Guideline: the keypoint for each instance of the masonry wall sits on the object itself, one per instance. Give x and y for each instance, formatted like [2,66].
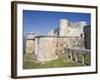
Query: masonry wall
[50,47]
[67,28]
[46,48]
[63,25]
[30,46]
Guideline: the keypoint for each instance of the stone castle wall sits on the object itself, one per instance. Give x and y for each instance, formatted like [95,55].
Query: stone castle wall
[67,35]
[67,28]
[30,46]
[50,47]
[45,49]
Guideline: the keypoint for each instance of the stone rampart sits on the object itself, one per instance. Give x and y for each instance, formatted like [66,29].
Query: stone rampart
[50,47]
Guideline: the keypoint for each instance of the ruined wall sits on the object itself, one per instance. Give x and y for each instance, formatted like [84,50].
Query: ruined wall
[50,47]
[45,49]
[69,42]
[30,46]
[68,28]
[30,43]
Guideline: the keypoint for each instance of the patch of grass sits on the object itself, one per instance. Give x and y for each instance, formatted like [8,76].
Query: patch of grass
[88,59]
[61,62]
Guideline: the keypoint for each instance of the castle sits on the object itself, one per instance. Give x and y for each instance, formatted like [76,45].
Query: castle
[66,35]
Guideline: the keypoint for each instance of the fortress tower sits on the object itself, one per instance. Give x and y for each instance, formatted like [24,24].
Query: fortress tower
[30,43]
[63,26]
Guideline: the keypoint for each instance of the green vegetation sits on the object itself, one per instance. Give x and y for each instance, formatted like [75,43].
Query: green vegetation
[29,63]
[87,59]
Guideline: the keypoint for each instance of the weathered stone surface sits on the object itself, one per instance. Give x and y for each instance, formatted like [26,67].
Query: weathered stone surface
[46,48]
[30,43]
[67,28]
[49,48]
[30,46]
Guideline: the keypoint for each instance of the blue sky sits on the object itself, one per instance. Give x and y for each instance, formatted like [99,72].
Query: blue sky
[44,21]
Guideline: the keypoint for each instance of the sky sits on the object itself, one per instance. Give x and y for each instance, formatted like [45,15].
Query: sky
[44,21]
